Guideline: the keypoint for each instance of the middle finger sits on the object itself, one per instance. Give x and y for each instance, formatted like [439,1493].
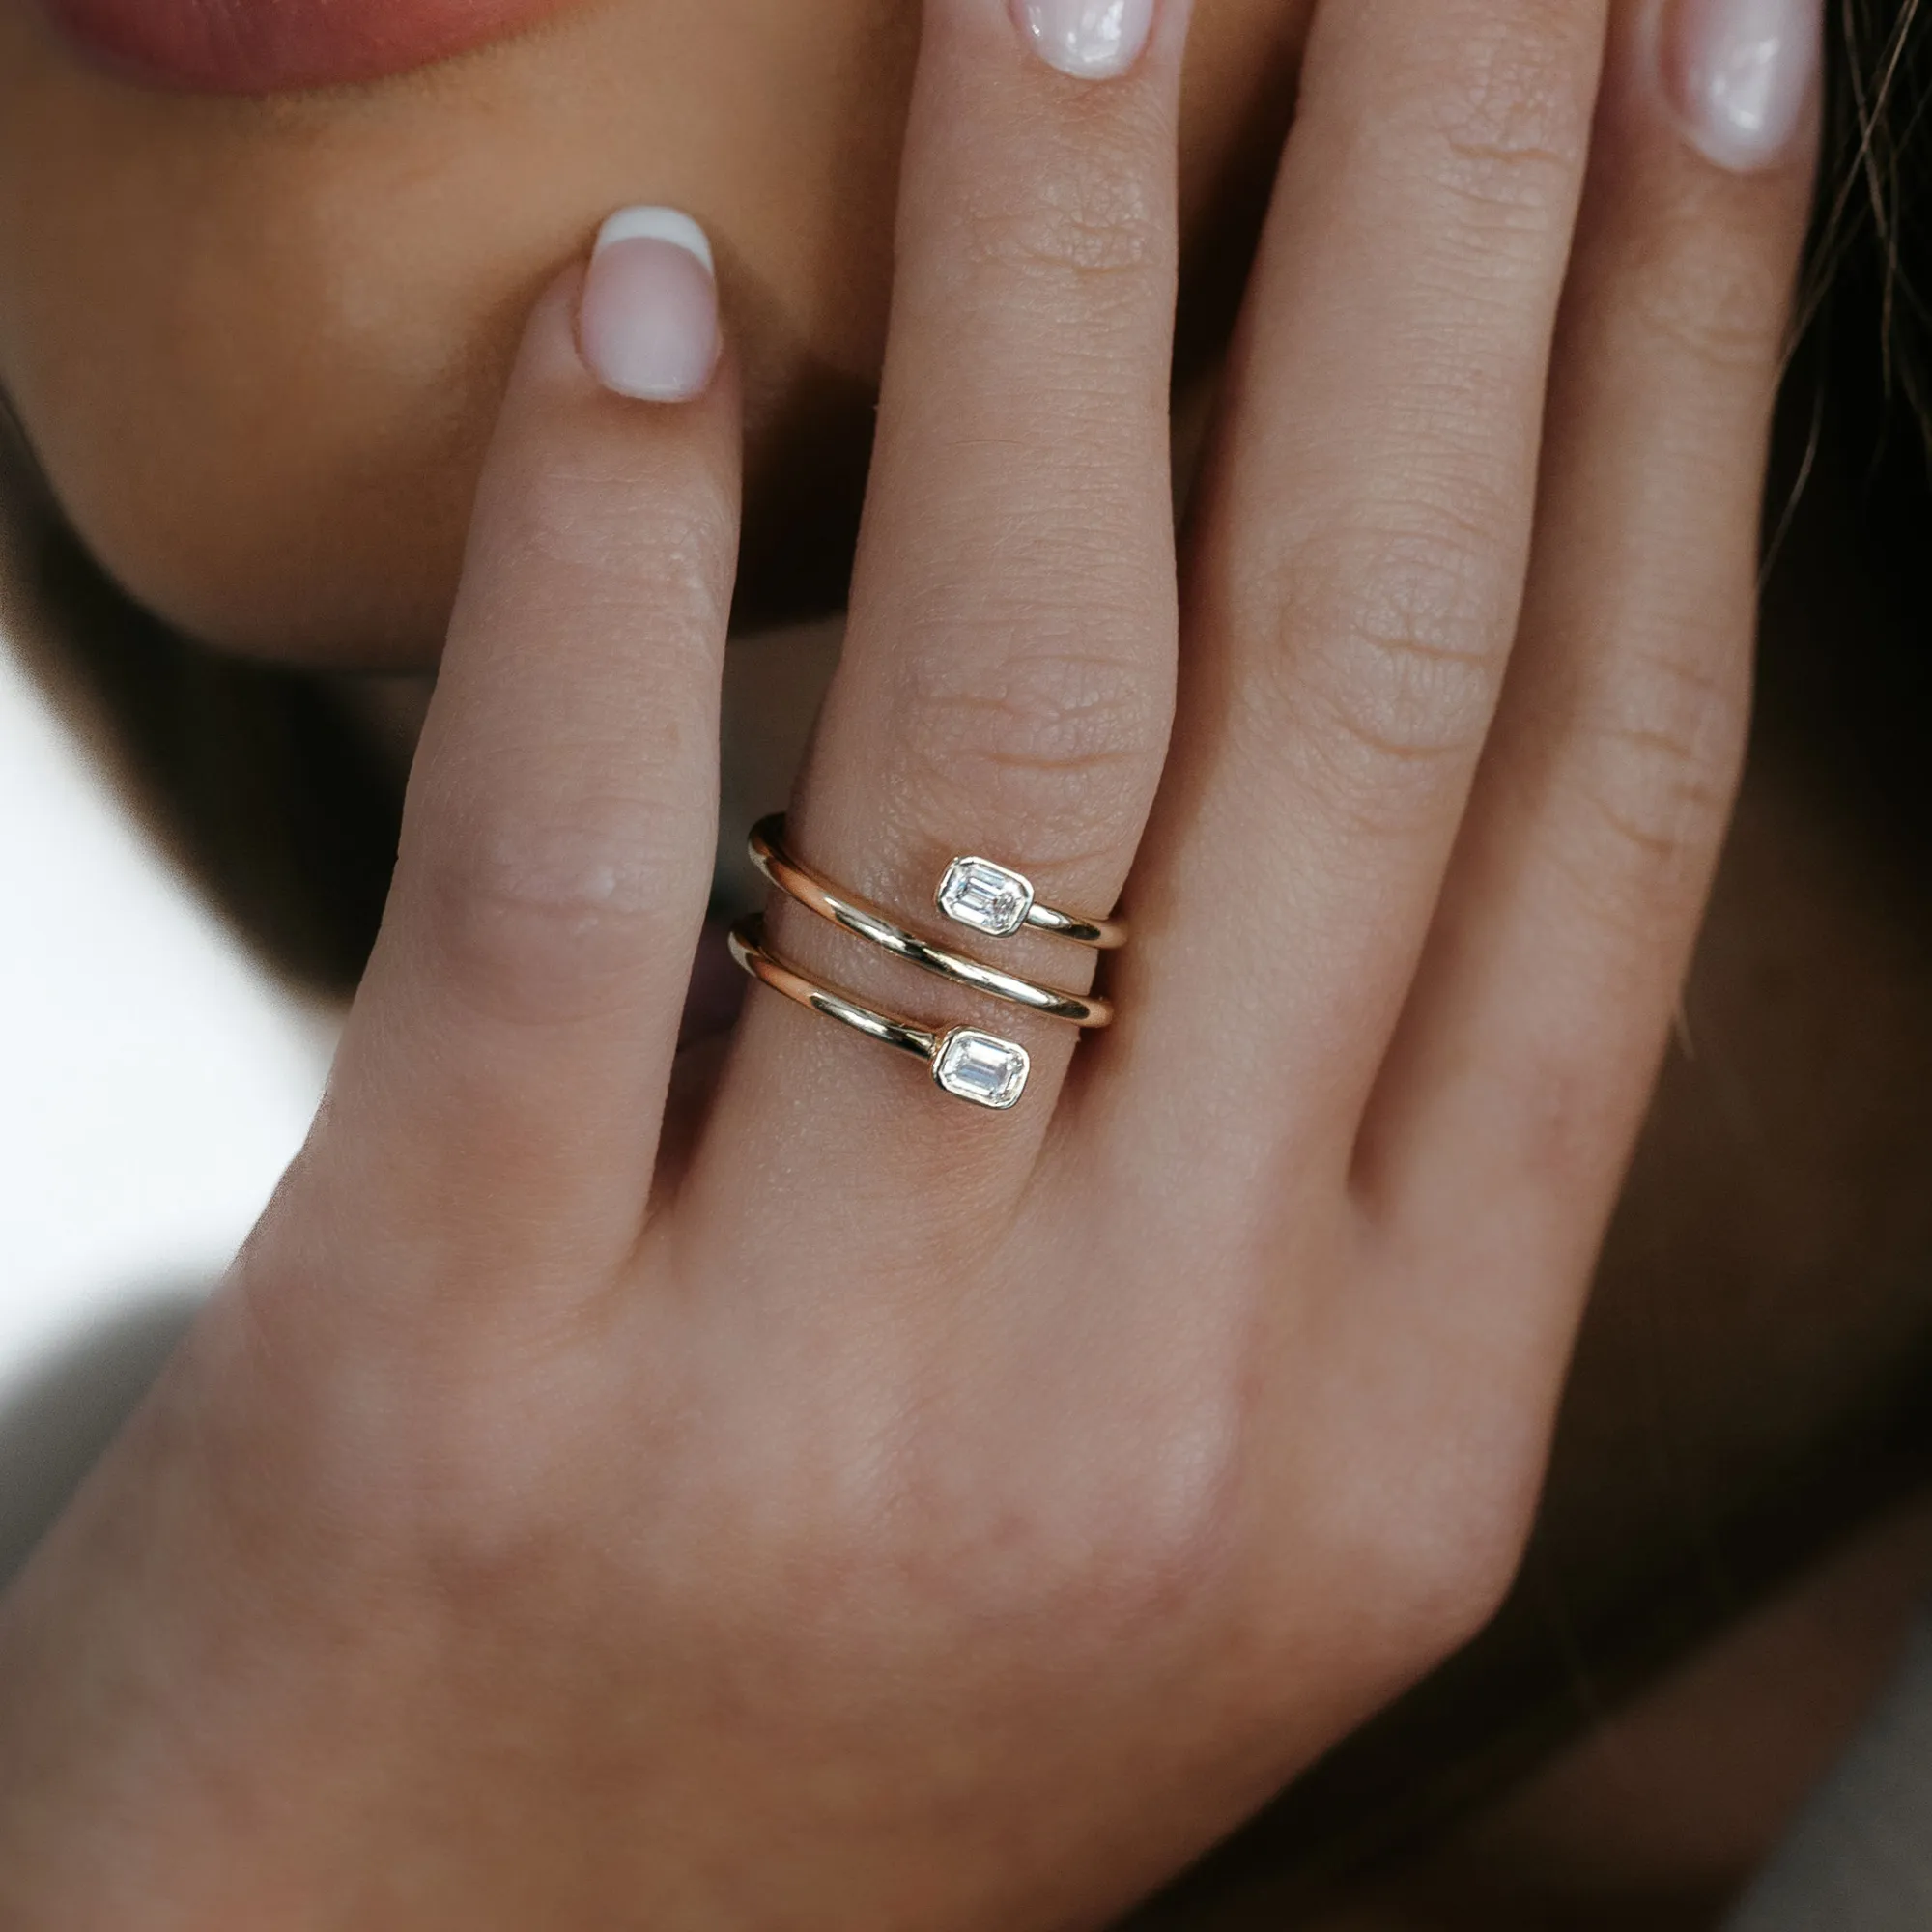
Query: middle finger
[1007,682]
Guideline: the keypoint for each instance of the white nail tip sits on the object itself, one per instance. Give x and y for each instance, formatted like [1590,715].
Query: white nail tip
[1092,40]
[657,224]
[1745,72]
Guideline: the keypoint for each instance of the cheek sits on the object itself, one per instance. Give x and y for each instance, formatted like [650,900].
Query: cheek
[271,444]
[258,345]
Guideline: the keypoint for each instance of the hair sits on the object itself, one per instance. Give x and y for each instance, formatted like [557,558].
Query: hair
[1875,231]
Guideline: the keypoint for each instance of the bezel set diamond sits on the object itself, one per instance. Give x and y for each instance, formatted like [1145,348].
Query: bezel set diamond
[982,1068]
[991,898]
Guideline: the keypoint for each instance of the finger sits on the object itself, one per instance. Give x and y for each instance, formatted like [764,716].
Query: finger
[1356,567]
[1006,685]
[504,1069]
[1527,1057]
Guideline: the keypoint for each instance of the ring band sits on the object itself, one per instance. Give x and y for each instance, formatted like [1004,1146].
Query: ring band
[819,894]
[971,1065]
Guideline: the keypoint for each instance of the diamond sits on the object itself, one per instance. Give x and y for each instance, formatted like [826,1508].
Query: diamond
[979,1068]
[990,898]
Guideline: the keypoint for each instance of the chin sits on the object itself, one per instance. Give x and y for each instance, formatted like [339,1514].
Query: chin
[352,565]
[323,598]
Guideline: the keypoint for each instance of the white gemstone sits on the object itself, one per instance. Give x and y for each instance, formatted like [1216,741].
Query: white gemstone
[977,892]
[977,1067]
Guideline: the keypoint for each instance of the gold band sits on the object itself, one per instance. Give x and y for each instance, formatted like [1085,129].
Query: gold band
[819,894]
[971,1065]
[1106,935]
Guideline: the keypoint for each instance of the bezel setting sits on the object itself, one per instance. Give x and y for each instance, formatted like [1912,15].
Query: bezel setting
[982,1068]
[989,897]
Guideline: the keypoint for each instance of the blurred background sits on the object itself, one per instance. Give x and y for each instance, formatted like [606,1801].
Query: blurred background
[154,1082]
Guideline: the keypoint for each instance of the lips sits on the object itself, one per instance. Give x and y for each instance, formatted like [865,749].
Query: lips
[266,46]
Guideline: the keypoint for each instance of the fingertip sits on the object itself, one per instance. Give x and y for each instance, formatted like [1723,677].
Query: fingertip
[556,397]
[647,321]
[646,223]
[1086,41]
[1741,78]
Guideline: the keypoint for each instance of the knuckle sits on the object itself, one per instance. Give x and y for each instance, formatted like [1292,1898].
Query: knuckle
[1439,1559]
[1086,226]
[1054,747]
[1104,1543]
[1107,1563]
[1660,786]
[1098,1519]
[541,920]
[1724,315]
[1455,1574]
[1513,119]
[1389,648]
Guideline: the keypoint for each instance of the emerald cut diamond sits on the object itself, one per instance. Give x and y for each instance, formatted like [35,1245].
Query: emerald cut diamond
[979,1068]
[988,897]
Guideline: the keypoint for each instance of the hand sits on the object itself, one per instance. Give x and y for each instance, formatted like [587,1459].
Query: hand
[894,1514]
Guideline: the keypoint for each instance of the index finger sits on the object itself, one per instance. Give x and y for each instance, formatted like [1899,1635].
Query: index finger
[504,1071]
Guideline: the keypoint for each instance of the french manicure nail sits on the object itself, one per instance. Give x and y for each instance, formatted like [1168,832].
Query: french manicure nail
[1742,72]
[648,322]
[1093,40]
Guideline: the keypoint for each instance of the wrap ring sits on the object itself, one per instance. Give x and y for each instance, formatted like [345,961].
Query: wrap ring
[817,894]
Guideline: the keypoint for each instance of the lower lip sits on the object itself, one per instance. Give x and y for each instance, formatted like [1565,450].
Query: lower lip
[268,46]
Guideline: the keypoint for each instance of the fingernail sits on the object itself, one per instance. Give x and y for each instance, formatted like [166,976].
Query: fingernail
[1093,39]
[1742,72]
[648,322]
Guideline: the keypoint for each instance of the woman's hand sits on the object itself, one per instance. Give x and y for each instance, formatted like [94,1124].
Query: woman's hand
[883,1513]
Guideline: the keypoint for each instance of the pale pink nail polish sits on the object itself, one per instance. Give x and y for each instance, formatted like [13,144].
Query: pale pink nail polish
[648,323]
[1093,40]
[1741,73]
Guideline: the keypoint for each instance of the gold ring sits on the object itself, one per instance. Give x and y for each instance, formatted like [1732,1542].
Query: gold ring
[819,894]
[969,1064]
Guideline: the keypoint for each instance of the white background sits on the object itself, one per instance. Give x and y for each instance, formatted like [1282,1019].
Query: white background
[154,1082]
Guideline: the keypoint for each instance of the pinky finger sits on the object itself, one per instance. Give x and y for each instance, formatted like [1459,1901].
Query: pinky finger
[1527,1056]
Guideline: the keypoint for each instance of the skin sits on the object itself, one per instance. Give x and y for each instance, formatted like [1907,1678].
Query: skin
[1404,1174]
[378,248]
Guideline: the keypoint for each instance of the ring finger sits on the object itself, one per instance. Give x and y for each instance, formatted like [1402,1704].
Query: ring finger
[1357,566]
